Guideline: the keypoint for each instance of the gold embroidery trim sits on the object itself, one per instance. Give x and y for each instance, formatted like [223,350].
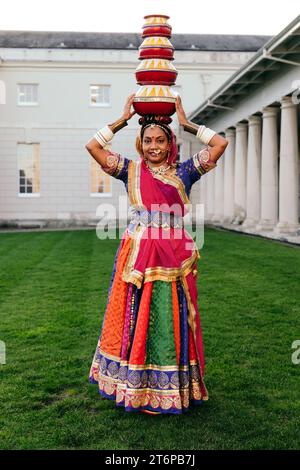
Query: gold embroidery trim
[175,181]
[156,398]
[159,273]
[131,171]
[192,322]
[203,167]
[128,271]
[134,175]
[145,366]
[119,166]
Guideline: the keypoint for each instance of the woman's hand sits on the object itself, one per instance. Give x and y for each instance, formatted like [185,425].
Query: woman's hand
[182,119]
[128,113]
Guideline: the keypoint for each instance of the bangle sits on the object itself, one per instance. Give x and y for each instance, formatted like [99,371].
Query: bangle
[116,126]
[191,127]
[203,133]
[103,136]
[203,162]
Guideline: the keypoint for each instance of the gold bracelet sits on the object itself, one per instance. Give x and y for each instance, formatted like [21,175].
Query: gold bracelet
[119,124]
[191,127]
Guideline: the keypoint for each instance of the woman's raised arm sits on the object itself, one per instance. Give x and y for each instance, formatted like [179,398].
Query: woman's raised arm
[105,158]
[216,142]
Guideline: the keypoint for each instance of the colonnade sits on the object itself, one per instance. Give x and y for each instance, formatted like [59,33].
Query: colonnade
[256,182]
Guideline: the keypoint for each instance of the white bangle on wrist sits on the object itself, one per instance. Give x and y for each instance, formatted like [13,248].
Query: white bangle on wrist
[205,134]
[100,140]
[103,136]
[107,133]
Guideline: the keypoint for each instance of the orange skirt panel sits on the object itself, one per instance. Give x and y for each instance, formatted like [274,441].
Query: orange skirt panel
[111,340]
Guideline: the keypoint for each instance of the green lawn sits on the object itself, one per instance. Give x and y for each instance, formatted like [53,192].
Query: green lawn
[52,299]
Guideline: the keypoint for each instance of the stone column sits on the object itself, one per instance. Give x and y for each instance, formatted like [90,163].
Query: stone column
[240,173]
[288,169]
[219,191]
[210,195]
[253,172]
[269,170]
[229,176]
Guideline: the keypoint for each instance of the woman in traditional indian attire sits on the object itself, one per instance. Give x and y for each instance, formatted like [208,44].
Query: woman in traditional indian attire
[149,355]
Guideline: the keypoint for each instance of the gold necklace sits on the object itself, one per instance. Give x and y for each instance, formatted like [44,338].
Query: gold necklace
[159,171]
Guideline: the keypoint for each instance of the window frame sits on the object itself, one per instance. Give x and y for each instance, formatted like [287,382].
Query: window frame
[27,194]
[102,104]
[27,103]
[94,164]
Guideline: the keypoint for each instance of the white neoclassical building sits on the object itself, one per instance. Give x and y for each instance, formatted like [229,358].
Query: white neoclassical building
[57,89]
[255,187]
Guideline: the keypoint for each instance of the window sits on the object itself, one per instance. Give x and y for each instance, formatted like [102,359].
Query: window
[100,95]
[100,181]
[29,169]
[27,94]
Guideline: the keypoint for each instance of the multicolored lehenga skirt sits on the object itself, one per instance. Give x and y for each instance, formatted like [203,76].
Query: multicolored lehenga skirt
[146,357]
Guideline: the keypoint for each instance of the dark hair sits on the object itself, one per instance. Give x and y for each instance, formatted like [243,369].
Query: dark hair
[162,121]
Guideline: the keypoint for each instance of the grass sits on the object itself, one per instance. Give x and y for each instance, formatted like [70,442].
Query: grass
[52,299]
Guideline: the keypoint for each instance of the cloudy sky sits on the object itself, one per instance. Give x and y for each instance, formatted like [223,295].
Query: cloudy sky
[190,16]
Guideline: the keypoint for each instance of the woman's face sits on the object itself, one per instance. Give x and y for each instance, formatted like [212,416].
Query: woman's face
[155,145]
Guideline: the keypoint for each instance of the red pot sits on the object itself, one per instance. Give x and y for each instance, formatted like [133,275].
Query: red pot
[157,30]
[159,108]
[156,77]
[156,53]
[154,99]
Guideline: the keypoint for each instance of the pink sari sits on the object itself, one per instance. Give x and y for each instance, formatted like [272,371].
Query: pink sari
[154,258]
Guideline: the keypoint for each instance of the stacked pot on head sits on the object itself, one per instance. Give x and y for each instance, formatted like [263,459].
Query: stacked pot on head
[156,73]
